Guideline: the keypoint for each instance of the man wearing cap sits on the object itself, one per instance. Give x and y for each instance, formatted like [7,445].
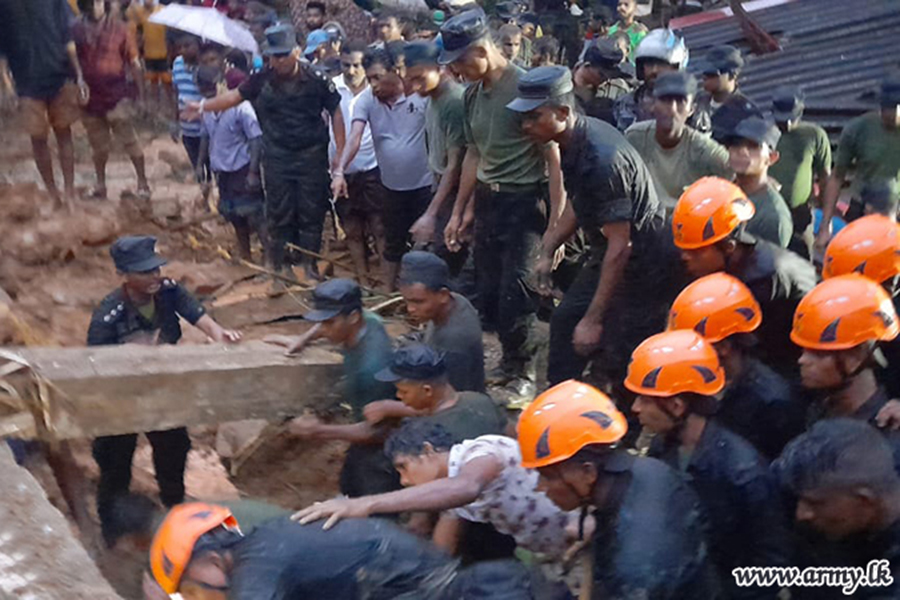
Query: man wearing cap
[804,158]
[601,79]
[621,295]
[289,97]
[751,150]
[870,144]
[676,154]
[314,41]
[506,172]
[722,106]
[451,322]
[145,310]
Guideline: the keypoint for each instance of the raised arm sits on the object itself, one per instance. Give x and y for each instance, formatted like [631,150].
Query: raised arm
[351,147]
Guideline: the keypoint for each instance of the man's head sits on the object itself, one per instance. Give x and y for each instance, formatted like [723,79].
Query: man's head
[138,263]
[423,73]
[674,374]
[212,55]
[94,9]
[626,10]
[842,474]
[838,325]
[282,49]
[881,197]
[389,28]
[528,23]
[419,450]
[467,45]
[260,22]
[510,40]
[352,55]
[721,67]
[602,61]
[708,224]
[546,101]
[890,102]
[424,283]
[191,552]
[661,51]
[568,434]
[545,52]
[382,73]
[336,38]
[337,306]
[315,15]
[600,20]
[188,46]
[673,101]
[208,78]
[420,375]
[316,45]
[787,108]
[752,147]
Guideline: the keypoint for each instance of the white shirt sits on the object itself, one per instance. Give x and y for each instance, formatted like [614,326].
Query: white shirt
[365,158]
[511,502]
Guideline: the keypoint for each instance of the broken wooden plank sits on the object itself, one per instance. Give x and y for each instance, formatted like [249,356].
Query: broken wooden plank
[109,390]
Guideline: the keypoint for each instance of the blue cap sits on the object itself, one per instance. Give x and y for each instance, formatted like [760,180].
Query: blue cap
[280,39]
[756,129]
[421,53]
[136,254]
[539,85]
[426,268]
[722,59]
[334,297]
[459,32]
[676,83]
[417,362]
[315,39]
[787,104]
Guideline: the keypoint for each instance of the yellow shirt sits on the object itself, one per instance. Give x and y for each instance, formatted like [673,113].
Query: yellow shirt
[153,36]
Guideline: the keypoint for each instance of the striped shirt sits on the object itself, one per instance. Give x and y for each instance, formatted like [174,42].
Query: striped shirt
[183,80]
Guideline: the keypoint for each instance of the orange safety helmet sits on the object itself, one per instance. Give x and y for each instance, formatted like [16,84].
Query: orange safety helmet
[869,245]
[565,419]
[716,306]
[843,312]
[175,539]
[708,211]
[675,362]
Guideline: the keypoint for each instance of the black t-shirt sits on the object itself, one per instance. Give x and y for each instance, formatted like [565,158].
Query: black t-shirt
[473,415]
[460,341]
[290,110]
[38,32]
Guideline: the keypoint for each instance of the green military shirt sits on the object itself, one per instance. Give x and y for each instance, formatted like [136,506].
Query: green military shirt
[444,127]
[371,354]
[507,155]
[772,220]
[873,150]
[804,151]
[673,169]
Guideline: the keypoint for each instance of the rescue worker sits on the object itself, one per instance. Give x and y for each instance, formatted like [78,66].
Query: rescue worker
[601,78]
[609,308]
[757,403]
[289,97]
[722,106]
[661,51]
[508,175]
[200,553]
[649,542]
[840,325]
[870,246]
[677,378]
[847,493]
[708,224]
[869,145]
[145,310]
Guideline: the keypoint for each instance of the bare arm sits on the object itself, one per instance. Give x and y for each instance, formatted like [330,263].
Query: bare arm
[555,181]
[462,215]
[829,204]
[618,251]
[351,146]
[447,533]
[424,228]
[72,52]
[338,128]
[823,177]
[219,103]
[310,427]
[216,332]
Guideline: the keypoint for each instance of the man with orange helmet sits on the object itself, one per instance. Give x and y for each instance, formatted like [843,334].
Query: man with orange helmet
[757,403]
[677,378]
[200,553]
[649,542]
[709,227]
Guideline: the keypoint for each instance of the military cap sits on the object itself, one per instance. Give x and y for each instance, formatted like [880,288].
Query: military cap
[136,254]
[756,129]
[890,90]
[426,268]
[722,59]
[458,33]
[604,54]
[334,297]
[787,104]
[280,39]
[539,85]
[675,83]
[421,53]
[417,362]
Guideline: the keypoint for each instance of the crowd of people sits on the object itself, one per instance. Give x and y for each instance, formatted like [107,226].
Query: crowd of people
[722,346]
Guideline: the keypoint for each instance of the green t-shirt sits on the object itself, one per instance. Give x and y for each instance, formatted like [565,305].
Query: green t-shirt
[250,514]
[444,127]
[371,354]
[873,150]
[673,169]
[507,155]
[636,32]
[473,415]
[804,151]
[772,221]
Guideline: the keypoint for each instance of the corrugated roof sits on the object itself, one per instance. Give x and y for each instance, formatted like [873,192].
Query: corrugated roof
[837,51]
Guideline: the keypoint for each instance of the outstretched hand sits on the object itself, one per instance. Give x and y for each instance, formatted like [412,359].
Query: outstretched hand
[333,510]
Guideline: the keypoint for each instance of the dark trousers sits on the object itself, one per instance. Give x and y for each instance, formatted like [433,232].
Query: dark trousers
[114,453]
[192,146]
[399,212]
[508,229]
[297,193]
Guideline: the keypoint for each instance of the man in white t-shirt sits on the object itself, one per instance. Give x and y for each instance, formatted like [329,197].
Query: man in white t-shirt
[360,209]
